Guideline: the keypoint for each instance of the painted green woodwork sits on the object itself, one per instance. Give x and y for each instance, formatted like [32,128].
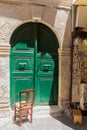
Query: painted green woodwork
[34,63]
[22,70]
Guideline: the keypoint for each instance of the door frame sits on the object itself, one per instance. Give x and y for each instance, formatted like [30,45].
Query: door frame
[14,32]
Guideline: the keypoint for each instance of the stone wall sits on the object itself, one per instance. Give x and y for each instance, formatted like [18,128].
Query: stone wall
[4,80]
[57,18]
[64,77]
[4,76]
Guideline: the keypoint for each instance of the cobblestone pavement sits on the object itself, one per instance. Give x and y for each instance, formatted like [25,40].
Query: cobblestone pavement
[61,122]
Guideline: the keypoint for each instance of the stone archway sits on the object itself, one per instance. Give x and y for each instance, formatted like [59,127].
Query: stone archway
[38,44]
[11,17]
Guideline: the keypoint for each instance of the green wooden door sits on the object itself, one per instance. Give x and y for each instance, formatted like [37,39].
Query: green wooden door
[46,66]
[22,69]
[34,63]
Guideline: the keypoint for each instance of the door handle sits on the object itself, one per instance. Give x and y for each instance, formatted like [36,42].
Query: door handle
[22,66]
[46,67]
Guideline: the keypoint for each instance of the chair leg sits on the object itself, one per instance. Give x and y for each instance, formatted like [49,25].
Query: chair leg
[27,113]
[31,116]
[14,113]
[20,118]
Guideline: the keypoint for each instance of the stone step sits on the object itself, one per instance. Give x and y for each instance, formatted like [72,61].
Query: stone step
[45,111]
[38,111]
[5,115]
[5,112]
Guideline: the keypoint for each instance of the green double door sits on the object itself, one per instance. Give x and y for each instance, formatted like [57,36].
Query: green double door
[34,63]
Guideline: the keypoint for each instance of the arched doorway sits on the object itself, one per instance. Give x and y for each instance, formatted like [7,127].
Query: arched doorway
[34,63]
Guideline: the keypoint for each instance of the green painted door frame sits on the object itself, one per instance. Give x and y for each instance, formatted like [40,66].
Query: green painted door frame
[34,63]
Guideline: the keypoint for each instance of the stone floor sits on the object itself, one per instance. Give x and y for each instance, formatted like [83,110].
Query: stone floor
[61,121]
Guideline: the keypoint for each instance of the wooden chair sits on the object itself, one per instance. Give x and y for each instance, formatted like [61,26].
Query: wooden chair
[24,107]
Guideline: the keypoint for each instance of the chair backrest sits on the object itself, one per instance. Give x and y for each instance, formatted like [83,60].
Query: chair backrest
[26,97]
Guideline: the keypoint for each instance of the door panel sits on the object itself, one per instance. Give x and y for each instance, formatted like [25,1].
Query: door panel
[45,88]
[21,84]
[22,69]
[46,66]
[45,79]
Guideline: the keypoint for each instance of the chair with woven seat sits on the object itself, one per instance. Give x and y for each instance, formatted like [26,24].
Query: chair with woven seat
[24,107]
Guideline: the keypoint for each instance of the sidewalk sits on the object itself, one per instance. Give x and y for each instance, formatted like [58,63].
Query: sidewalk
[61,122]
